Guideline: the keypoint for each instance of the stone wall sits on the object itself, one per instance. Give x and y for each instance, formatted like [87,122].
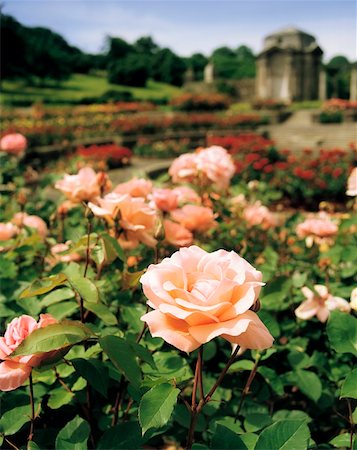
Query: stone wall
[241,90]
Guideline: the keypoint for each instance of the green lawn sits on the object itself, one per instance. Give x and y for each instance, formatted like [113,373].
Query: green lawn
[78,87]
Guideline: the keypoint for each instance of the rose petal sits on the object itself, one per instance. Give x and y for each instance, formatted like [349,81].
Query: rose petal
[13,375]
[307,309]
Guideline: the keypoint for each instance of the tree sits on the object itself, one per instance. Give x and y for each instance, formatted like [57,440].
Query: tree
[168,67]
[146,45]
[130,71]
[197,62]
[338,75]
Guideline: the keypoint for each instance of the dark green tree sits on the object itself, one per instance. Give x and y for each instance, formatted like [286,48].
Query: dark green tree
[168,67]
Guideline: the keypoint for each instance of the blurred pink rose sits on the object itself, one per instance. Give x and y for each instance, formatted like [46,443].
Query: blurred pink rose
[217,165]
[177,235]
[194,218]
[317,227]
[186,195]
[23,219]
[197,296]
[165,199]
[81,187]
[137,222]
[320,303]
[15,144]
[257,214]
[15,371]
[136,187]
[353,300]
[7,231]
[58,250]
[352,183]
[184,168]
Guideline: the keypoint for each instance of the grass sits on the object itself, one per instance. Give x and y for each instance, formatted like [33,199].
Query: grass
[78,87]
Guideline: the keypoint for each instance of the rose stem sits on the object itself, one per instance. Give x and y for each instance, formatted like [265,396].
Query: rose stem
[88,248]
[247,385]
[352,426]
[32,404]
[118,400]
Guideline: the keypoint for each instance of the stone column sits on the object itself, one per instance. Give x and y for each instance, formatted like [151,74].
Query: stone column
[208,73]
[285,93]
[353,84]
[322,85]
[261,78]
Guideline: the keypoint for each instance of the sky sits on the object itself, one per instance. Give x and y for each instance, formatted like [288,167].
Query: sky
[189,26]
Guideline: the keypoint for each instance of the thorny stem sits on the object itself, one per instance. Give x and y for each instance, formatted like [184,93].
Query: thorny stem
[32,404]
[11,444]
[118,400]
[247,385]
[196,409]
[352,426]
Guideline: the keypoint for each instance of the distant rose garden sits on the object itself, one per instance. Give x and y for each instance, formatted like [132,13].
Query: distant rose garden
[211,306]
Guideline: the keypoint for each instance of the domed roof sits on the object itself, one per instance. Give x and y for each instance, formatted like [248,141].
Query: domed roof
[290,38]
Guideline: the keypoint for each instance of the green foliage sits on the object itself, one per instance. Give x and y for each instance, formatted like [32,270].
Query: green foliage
[74,435]
[284,435]
[342,333]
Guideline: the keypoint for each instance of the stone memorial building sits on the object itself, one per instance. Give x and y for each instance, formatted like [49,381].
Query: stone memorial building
[290,67]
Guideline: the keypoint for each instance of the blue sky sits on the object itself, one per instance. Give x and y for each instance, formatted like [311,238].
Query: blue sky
[189,26]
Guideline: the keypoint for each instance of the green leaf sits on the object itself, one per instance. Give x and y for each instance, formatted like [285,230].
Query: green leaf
[143,353]
[94,372]
[102,311]
[274,295]
[53,337]
[156,406]
[349,386]
[59,397]
[43,286]
[111,249]
[12,421]
[342,440]
[284,435]
[74,435]
[126,435]
[342,332]
[121,355]
[224,438]
[309,384]
[272,379]
[57,296]
[257,421]
[85,288]
[31,445]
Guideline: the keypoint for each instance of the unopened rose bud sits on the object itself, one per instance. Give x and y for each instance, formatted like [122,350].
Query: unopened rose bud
[22,197]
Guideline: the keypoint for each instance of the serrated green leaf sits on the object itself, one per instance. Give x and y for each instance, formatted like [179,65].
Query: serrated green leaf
[309,384]
[121,355]
[94,372]
[342,332]
[102,311]
[57,296]
[156,406]
[43,286]
[85,288]
[111,249]
[59,397]
[225,438]
[13,420]
[349,386]
[284,435]
[53,337]
[74,435]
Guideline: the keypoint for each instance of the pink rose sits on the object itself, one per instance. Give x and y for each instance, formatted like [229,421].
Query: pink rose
[184,168]
[7,231]
[14,144]
[137,187]
[197,296]
[165,199]
[23,219]
[58,250]
[217,165]
[352,183]
[187,195]
[15,371]
[320,303]
[353,300]
[177,235]
[317,227]
[257,214]
[81,187]
[137,222]
[194,218]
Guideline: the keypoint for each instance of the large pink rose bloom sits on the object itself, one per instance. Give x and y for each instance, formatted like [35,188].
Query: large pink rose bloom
[23,219]
[137,222]
[15,371]
[194,218]
[136,187]
[165,199]
[184,168]
[186,195]
[177,235]
[352,183]
[217,165]
[14,144]
[320,303]
[84,186]
[321,226]
[7,231]
[197,296]
[257,214]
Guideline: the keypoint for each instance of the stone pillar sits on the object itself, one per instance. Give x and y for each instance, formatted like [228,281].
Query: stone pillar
[261,78]
[353,84]
[208,73]
[322,85]
[285,92]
